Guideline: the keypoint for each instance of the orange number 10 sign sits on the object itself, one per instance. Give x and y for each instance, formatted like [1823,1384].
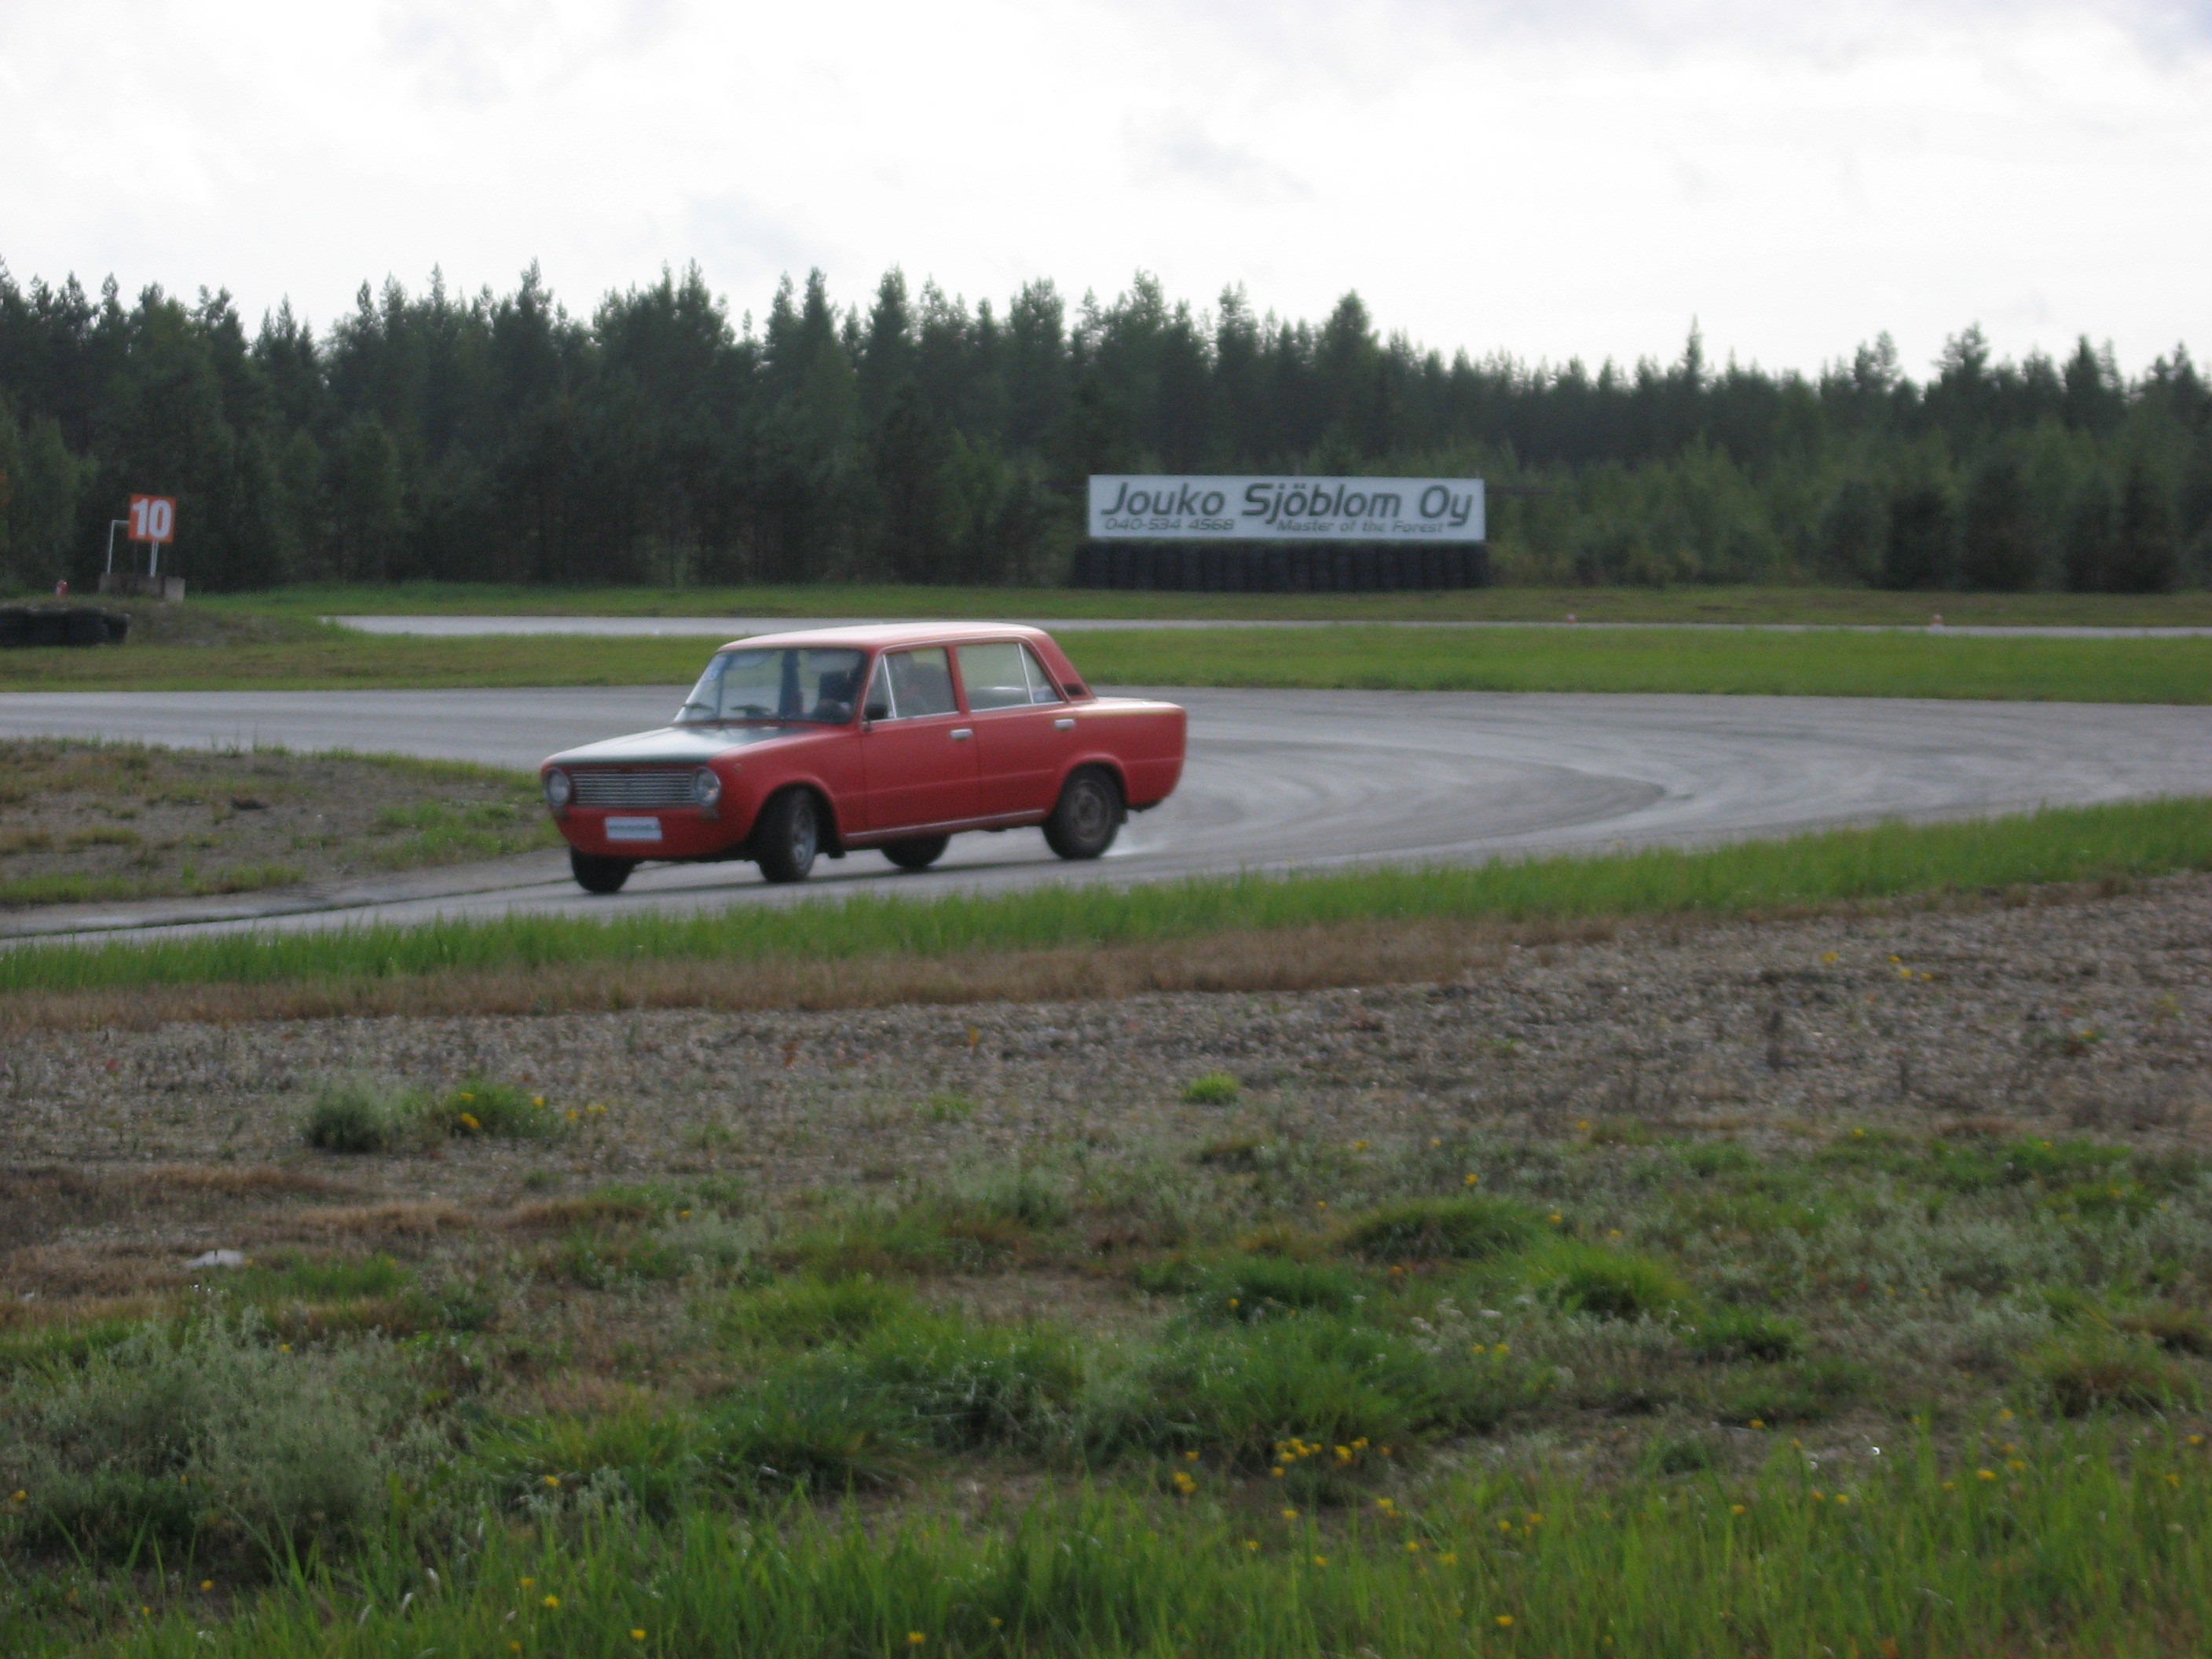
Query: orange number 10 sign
[153,518]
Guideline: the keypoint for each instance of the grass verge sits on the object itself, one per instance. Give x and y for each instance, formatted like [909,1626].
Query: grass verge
[1678,604]
[83,821]
[2126,842]
[1826,663]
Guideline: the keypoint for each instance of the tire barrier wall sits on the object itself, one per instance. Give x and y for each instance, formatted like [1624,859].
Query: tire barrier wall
[1339,568]
[77,626]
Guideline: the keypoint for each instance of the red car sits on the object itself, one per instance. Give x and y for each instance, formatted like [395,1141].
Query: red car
[894,737]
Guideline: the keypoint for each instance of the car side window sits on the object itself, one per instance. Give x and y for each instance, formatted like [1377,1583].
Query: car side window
[921,682]
[993,675]
[1042,690]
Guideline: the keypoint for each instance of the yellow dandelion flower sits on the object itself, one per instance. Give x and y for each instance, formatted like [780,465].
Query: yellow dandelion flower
[539,1100]
[637,1636]
[2196,1439]
[550,1601]
[2005,1416]
[1984,1475]
[1554,1218]
[1251,1543]
[1473,1180]
[528,1582]
[1758,1423]
[1321,1560]
[19,1497]
[552,1479]
[1412,1547]
[469,1122]
[915,1639]
[1505,1621]
[1735,1509]
[1289,1514]
[207,1584]
[1320,1204]
[1449,1559]
[1843,1497]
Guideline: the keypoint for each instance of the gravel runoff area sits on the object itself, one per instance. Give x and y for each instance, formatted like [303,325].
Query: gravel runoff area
[2087,1016]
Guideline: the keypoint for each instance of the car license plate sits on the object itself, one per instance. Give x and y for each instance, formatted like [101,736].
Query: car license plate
[633,829]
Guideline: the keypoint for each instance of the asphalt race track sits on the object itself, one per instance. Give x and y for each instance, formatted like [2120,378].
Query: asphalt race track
[1276,780]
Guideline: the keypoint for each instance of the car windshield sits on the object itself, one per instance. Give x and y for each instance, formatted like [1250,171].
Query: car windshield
[775,685]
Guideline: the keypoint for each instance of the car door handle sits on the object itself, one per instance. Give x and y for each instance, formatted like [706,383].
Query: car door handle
[962,733]
[1063,724]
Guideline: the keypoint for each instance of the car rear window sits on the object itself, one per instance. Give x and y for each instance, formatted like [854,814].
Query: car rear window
[995,676]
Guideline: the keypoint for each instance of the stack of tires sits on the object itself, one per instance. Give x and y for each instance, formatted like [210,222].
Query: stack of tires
[25,626]
[1278,568]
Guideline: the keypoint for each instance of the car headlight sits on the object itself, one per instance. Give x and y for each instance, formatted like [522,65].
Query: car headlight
[558,790]
[706,787]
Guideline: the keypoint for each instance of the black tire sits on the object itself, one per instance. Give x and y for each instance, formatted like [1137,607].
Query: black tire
[595,874]
[918,853]
[1088,817]
[788,836]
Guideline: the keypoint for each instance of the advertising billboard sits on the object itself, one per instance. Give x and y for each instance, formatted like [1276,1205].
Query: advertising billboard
[1169,508]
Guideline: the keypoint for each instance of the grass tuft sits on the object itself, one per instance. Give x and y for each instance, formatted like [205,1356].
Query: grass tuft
[1441,1229]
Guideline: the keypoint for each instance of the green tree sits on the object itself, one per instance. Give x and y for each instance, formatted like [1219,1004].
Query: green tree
[1999,549]
[1922,550]
[2146,553]
[2087,558]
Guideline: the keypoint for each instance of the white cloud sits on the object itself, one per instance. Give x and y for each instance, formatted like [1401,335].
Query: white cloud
[1576,179]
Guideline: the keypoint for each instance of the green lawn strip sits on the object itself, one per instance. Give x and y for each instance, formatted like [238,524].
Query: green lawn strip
[1828,664]
[2068,844]
[1822,664]
[2079,1552]
[1677,604]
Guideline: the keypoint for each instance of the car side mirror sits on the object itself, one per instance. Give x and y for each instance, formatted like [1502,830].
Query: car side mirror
[877,711]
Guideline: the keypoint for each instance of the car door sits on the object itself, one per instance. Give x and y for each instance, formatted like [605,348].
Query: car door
[1022,726]
[918,749]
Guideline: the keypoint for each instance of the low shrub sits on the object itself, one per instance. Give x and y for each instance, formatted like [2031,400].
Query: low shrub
[357,1118]
[1466,1229]
[1804,1391]
[1244,1395]
[211,1437]
[791,1433]
[1213,1089]
[652,1459]
[1242,1289]
[2175,1328]
[1609,1283]
[2094,1368]
[958,1384]
[809,1312]
[1746,1334]
[499,1110]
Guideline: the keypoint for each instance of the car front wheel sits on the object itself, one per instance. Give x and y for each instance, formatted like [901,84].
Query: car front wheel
[789,836]
[595,874]
[1088,818]
[918,853]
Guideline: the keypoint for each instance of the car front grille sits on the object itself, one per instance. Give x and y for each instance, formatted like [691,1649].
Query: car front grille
[660,785]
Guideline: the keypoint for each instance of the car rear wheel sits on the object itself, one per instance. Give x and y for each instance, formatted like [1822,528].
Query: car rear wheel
[918,853]
[596,874]
[1088,818]
[789,836]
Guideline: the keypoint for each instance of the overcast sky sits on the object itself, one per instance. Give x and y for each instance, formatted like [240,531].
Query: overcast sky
[1549,178]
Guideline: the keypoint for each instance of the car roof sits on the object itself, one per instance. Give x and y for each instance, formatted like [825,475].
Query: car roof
[880,635]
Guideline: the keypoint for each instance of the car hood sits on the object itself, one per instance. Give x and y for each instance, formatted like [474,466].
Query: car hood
[676,745]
